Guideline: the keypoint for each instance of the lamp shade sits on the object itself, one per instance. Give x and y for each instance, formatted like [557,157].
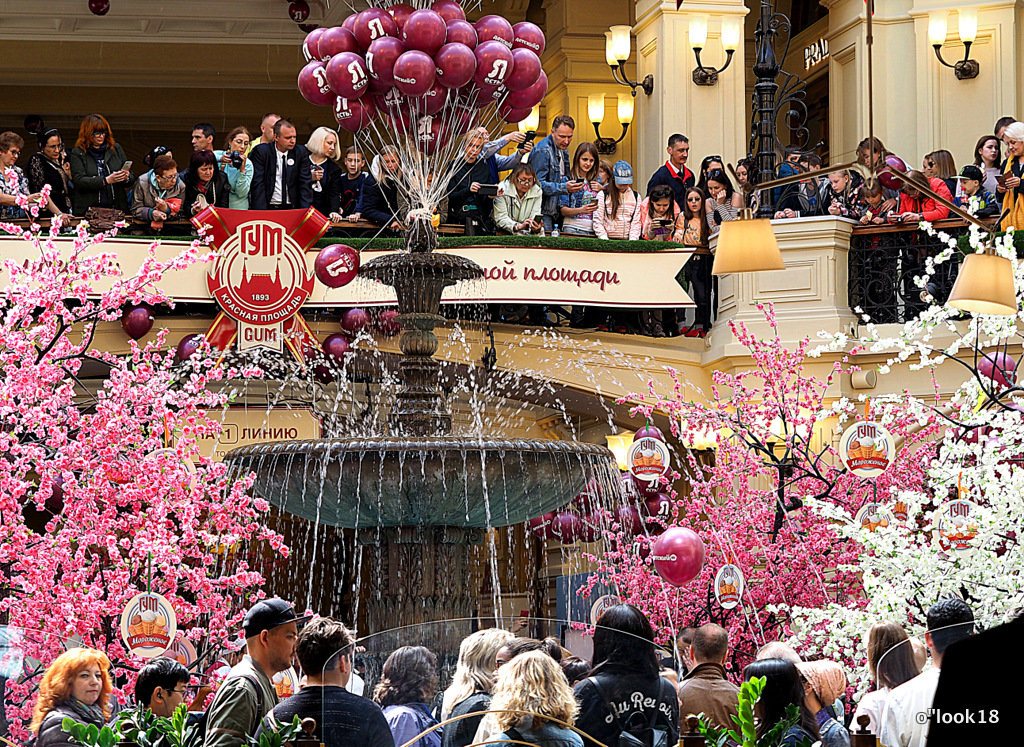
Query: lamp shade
[985,286]
[730,33]
[609,50]
[698,30]
[625,109]
[747,246]
[595,107]
[532,121]
[937,27]
[967,27]
[621,42]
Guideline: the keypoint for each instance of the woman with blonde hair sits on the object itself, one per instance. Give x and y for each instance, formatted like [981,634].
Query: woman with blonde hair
[77,686]
[535,683]
[890,663]
[1011,190]
[472,683]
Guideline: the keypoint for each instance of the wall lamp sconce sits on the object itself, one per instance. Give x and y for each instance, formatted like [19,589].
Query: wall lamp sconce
[595,109]
[617,45]
[967,30]
[532,121]
[708,76]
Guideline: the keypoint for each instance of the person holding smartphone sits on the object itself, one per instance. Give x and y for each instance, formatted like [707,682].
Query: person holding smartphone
[325,172]
[578,208]
[98,168]
[1013,171]
[466,203]
[518,204]
[50,166]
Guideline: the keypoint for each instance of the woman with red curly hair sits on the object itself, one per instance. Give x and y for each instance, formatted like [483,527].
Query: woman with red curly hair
[77,686]
[97,168]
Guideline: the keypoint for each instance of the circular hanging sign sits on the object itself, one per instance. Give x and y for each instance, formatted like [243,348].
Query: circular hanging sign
[874,516]
[182,651]
[148,625]
[648,458]
[956,525]
[867,449]
[729,586]
[601,604]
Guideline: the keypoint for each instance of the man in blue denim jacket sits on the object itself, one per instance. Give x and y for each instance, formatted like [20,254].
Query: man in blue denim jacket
[550,159]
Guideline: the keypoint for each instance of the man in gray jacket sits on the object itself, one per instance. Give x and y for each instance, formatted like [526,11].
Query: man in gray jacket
[247,694]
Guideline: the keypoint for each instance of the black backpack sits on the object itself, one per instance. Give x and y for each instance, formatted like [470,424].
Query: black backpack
[637,731]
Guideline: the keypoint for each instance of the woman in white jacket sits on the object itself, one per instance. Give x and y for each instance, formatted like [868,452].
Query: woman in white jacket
[519,201]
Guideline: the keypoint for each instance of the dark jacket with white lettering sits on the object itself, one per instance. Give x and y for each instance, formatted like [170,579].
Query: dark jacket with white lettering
[634,696]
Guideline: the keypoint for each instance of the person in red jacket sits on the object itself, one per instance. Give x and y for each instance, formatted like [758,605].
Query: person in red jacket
[916,206]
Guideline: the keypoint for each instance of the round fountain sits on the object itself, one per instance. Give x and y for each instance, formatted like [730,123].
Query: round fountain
[420,497]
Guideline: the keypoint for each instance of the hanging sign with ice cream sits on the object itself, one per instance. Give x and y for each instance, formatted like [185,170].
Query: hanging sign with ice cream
[956,525]
[729,586]
[148,625]
[873,516]
[867,449]
[648,458]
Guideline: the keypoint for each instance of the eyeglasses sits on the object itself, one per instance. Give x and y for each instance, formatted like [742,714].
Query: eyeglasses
[166,177]
[524,182]
[15,151]
[58,146]
[931,164]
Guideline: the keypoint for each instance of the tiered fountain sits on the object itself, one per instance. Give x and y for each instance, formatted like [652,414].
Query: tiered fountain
[421,497]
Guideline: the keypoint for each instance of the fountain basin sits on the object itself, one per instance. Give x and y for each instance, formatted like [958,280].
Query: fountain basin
[421,481]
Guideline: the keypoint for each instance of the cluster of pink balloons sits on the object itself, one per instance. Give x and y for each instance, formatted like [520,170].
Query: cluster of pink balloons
[407,65]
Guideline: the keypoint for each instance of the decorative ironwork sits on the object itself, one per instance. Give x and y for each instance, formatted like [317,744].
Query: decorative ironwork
[883,265]
[771,98]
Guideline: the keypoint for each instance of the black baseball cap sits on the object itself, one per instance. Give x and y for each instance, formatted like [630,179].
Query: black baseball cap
[972,172]
[269,614]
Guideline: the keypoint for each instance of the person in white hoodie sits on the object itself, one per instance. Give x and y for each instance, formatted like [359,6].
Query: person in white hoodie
[519,202]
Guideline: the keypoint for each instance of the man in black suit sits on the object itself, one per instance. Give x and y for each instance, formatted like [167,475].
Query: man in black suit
[280,172]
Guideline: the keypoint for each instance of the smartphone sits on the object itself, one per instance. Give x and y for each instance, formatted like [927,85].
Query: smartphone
[1001,179]
[538,219]
[127,166]
[488,190]
[664,221]
[530,137]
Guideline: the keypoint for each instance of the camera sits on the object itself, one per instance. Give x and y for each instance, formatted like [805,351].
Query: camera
[236,159]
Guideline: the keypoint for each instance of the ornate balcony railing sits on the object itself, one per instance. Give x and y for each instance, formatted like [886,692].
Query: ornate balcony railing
[884,262]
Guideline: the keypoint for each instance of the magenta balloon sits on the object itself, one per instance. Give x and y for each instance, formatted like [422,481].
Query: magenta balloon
[528,35]
[462,32]
[631,489]
[660,505]
[530,97]
[629,519]
[429,135]
[387,323]
[353,320]
[414,71]
[678,555]
[510,115]
[433,100]
[590,527]
[336,265]
[373,23]
[137,321]
[482,96]
[495,28]
[449,10]
[425,30]
[401,12]
[350,23]
[1000,367]
[585,502]
[314,86]
[565,527]
[310,45]
[187,347]
[346,72]
[354,114]
[493,63]
[890,181]
[525,70]
[335,41]
[649,431]
[336,346]
[381,57]
[541,525]
[455,65]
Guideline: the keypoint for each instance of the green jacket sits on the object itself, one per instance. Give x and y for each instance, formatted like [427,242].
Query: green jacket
[242,700]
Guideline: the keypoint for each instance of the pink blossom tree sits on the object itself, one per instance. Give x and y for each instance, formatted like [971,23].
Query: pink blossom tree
[102,487]
[752,501]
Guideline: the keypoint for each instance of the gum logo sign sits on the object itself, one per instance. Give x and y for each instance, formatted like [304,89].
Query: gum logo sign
[261,278]
[648,459]
[729,586]
[867,449]
[148,625]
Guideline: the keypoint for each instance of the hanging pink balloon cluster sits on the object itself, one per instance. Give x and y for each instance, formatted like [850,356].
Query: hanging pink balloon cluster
[426,71]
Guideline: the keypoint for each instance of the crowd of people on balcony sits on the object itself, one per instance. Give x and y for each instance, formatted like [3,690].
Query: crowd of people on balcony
[512,689]
[537,189]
